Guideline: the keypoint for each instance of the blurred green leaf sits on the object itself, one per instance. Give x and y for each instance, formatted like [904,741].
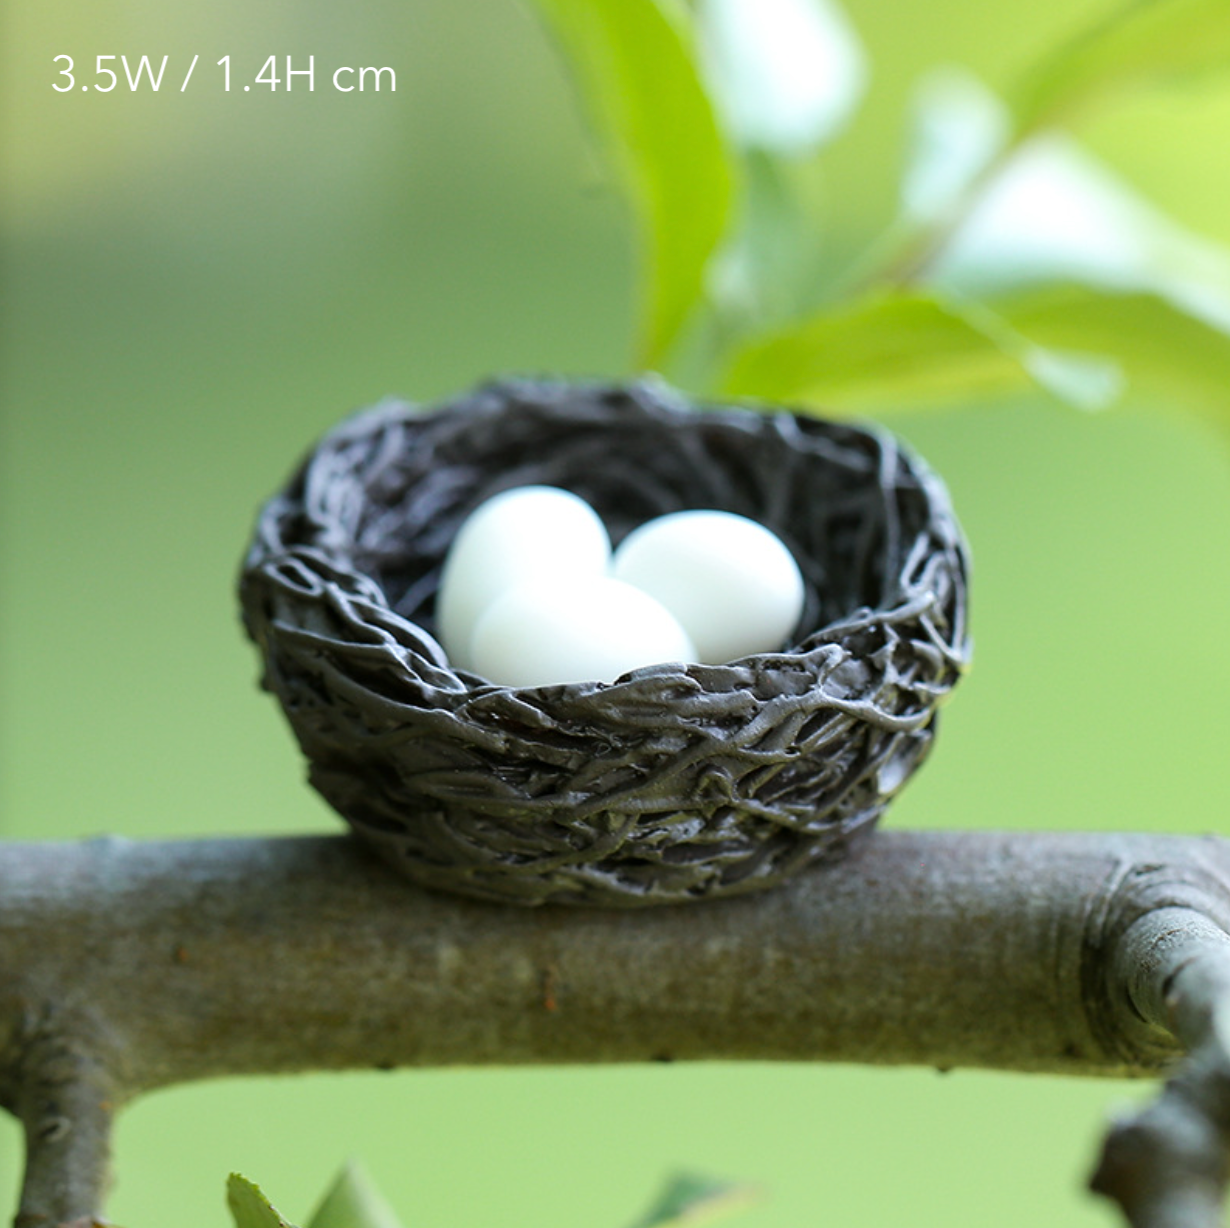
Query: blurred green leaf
[908,351]
[249,1207]
[689,1201]
[1143,42]
[765,273]
[1055,214]
[957,129]
[1173,361]
[785,74]
[636,63]
[353,1202]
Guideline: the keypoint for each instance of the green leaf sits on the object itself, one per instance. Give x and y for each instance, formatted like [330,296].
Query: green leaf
[1173,361]
[767,270]
[786,74]
[689,1201]
[958,128]
[249,1207]
[1056,215]
[353,1202]
[1144,42]
[635,61]
[900,351]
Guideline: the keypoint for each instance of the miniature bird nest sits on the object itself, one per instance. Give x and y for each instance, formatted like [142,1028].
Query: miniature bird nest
[673,783]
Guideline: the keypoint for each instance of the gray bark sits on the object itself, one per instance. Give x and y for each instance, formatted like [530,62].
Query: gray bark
[130,966]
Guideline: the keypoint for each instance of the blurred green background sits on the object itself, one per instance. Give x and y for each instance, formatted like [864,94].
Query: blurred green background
[196,284]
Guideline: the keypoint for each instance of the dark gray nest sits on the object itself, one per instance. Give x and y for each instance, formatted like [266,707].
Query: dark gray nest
[674,783]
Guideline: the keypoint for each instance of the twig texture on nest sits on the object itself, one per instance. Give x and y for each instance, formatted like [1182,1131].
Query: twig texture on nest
[675,782]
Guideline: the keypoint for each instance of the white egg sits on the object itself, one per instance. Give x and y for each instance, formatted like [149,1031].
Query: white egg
[731,583]
[594,629]
[529,533]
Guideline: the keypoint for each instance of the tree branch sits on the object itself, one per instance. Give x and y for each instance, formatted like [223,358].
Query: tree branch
[155,963]
[64,1101]
[1168,1165]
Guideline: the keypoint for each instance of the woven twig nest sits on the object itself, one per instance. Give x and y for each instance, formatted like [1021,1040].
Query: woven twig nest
[673,783]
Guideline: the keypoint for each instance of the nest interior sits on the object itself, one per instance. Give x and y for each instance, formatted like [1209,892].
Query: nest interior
[674,783]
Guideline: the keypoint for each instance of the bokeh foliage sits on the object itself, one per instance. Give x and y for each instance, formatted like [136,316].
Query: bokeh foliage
[918,318]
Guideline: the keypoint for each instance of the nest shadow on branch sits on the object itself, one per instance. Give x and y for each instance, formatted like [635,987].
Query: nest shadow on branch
[675,782]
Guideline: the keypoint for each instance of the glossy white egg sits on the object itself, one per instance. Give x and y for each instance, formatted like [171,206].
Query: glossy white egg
[527,534]
[732,584]
[591,629]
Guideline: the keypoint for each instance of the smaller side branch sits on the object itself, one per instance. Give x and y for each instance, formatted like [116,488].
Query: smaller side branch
[66,1103]
[1168,1166]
